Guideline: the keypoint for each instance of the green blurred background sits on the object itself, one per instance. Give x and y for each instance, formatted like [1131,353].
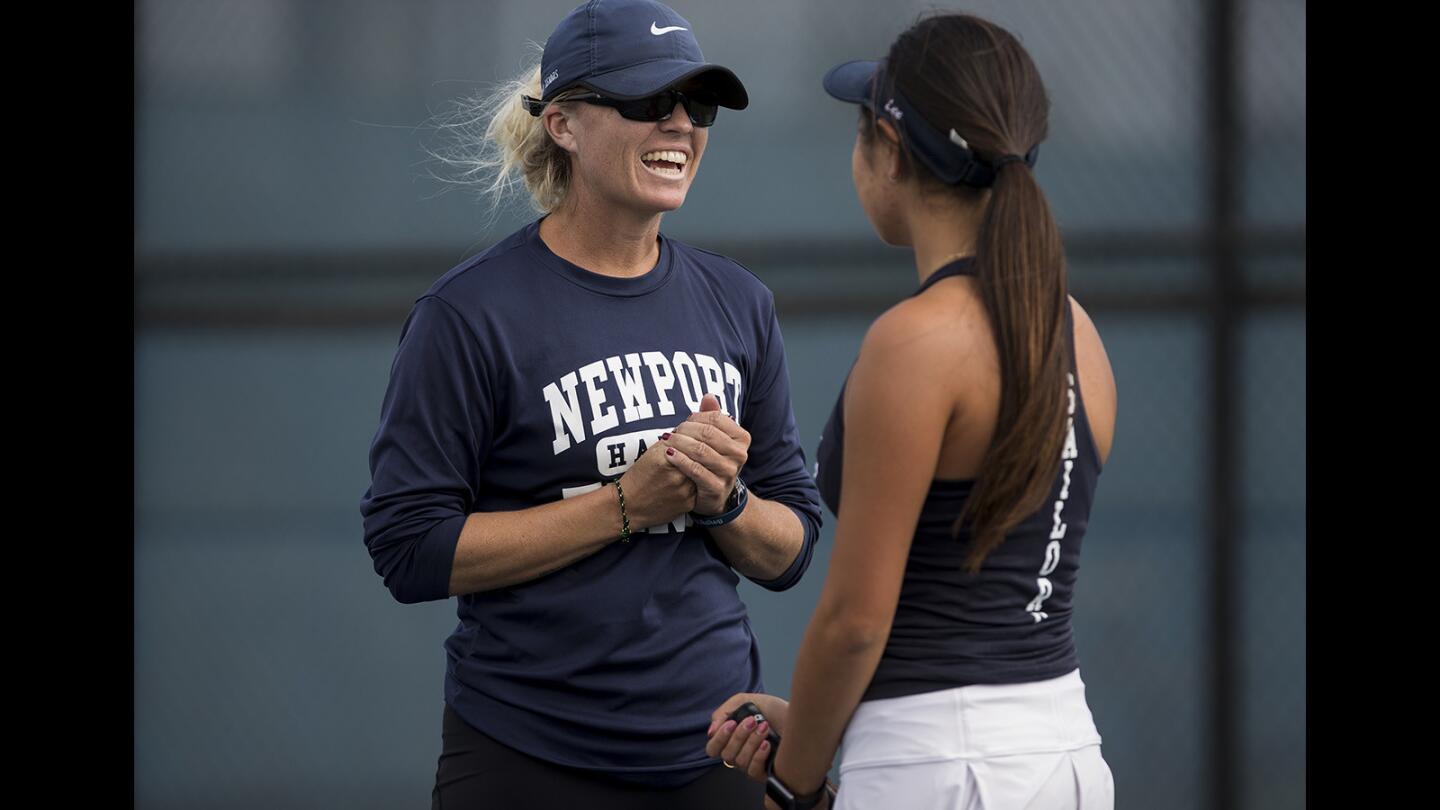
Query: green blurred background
[285,222]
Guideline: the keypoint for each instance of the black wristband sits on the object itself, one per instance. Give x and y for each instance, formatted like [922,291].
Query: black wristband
[740,495]
[781,794]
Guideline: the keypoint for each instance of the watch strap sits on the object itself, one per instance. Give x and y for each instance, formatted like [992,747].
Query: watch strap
[742,496]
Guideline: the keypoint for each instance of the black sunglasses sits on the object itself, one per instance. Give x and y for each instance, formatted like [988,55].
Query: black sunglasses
[701,108]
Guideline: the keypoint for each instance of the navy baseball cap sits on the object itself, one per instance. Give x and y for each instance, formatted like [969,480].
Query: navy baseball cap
[947,154]
[629,49]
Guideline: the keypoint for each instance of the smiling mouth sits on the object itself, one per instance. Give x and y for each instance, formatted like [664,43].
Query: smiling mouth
[666,163]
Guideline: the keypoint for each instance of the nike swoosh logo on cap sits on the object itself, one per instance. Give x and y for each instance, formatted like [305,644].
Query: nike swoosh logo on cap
[658,31]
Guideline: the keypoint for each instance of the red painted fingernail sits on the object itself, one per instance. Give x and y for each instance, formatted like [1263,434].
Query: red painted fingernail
[749,722]
[664,435]
[765,746]
[669,451]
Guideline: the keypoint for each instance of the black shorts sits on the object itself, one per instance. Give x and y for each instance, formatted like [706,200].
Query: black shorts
[478,773]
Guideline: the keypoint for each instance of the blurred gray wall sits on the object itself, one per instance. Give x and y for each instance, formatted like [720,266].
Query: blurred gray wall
[285,222]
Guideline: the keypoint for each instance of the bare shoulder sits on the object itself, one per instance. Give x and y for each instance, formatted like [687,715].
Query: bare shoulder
[908,364]
[932,331]
[1097,380]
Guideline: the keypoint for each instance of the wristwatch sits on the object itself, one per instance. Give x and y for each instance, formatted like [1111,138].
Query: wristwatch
[781,794]
[734,505]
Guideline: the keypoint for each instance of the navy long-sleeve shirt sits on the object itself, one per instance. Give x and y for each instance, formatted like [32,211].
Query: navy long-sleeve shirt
[522,379]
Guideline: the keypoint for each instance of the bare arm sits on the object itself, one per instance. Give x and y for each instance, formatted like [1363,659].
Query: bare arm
[897,417]
[763,541]
[499,549]
[710,449]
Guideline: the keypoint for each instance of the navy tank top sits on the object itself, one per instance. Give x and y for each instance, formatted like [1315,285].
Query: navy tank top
[1010,622]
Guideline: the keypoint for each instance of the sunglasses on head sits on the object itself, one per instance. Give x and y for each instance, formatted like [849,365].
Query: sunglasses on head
[701,107]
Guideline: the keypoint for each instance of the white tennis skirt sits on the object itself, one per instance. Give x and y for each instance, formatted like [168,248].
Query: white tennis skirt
[1024,746]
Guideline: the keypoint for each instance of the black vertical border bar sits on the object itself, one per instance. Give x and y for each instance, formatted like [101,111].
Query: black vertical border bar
[1225,153]
[136,173]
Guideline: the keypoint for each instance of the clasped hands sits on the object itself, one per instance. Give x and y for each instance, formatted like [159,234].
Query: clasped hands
[693,468]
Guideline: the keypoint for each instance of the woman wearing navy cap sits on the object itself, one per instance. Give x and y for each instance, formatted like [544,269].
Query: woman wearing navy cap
[940,659]
[587,438]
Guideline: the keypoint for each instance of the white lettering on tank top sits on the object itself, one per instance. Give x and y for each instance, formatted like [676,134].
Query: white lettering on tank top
[1043,587]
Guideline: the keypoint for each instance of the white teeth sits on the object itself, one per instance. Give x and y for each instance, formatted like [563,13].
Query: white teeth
[667,155]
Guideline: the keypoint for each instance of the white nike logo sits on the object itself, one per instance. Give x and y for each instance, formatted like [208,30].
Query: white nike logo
[658,31]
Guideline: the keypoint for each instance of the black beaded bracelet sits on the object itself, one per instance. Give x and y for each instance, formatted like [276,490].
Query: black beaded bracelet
[624,519]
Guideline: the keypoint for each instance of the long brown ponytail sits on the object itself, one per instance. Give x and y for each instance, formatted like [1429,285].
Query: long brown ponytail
[965,73]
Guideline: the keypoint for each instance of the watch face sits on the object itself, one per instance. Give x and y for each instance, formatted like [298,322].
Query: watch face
[734,499]
[776,791]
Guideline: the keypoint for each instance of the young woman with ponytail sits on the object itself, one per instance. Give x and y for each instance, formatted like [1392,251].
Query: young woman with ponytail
[940,659]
